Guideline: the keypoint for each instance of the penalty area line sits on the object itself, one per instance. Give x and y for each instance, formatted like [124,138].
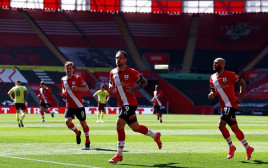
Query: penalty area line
[46,161]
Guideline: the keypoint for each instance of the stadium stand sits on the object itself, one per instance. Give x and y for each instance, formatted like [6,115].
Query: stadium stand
[59,29]
[160,33]
[19,43]
[236,38]
[100,27]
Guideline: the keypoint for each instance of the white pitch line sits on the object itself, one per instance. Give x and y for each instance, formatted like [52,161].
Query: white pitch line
[45,161]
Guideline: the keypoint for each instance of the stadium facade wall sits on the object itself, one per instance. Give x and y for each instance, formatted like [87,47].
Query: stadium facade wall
[61,110]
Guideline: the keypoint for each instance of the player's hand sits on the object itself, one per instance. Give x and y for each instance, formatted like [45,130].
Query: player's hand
[110,89]
[130,91]
[211,96]
[238,100]
[74,88]
[64,94]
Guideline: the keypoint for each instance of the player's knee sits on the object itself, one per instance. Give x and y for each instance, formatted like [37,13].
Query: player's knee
[135,129]
[68,122]
[235,128]
[221,126]
[119,127]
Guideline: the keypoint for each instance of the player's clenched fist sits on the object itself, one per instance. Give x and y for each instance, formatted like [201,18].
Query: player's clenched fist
[211,96]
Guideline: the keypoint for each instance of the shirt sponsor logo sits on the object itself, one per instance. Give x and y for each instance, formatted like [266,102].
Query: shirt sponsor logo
[73,82]
[126,77]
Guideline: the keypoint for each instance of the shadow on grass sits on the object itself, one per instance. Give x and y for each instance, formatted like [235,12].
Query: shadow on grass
[166,165]
[257,162]
[106,150]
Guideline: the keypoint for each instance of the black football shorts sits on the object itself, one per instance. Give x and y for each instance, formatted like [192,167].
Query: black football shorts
[78,112]
[128,113]
[228,115]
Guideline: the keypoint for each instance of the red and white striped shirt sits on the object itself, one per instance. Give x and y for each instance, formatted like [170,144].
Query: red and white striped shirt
[224,86]
[44,95]
[158,98]
[73,99]
[123,80]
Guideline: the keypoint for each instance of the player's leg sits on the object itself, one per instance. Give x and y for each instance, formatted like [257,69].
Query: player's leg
[240,136]
[23,113]
[98,113]
[146,131]
[131,120]
[225,132]
[42,113]
[81,115]
[102,111]
[68,121]
[156,111]
[160,115]
[46,110]
[18,117]
[86,131]
[120,125]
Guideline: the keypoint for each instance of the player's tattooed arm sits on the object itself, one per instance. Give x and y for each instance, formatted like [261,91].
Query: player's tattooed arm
[142,83]
[243,86]
[82,88]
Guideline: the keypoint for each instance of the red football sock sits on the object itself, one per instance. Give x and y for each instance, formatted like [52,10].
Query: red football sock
[239,135]
[121,136]
[73,127]
[143,129]
[42,114]
[86,131]
[225,132]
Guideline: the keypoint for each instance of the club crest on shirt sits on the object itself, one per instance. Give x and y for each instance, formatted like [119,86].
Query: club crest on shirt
[224,80]
[126,77]
[73,82]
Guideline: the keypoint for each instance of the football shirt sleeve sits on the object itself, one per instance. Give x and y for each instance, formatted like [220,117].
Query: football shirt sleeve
[211,83]
[233,77]
[136,75]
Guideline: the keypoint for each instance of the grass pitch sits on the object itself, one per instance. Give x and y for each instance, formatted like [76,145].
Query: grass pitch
[188,141]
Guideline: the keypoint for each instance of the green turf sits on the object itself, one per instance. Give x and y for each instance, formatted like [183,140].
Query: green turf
[188,141]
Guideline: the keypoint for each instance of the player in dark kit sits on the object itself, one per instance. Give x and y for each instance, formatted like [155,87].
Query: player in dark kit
[72,85]
[158,102]
[222,84]
[124,78]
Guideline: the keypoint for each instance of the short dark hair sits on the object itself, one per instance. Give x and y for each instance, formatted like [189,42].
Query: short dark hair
[18,81]
[42,82]
[123,52]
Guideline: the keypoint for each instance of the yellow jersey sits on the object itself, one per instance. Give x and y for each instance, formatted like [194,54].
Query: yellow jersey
[18,93]
[102,96]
